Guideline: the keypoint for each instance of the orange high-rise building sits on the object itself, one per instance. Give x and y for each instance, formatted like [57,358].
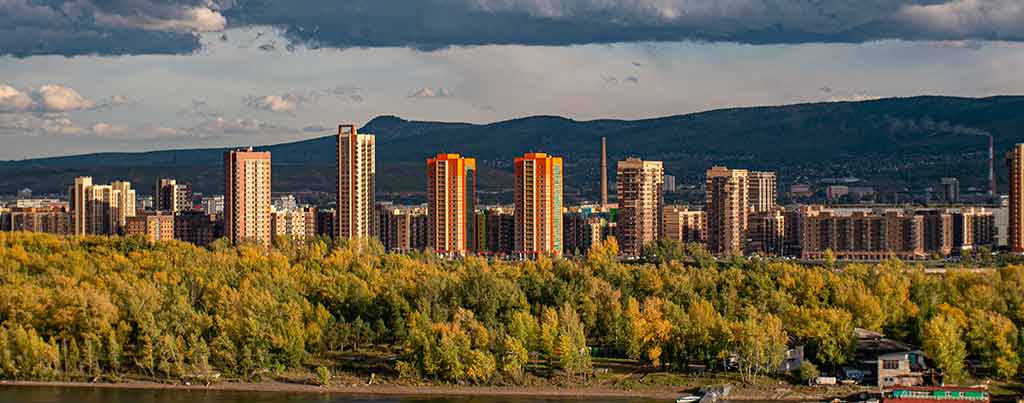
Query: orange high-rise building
[451,202]
[357,172]
[1015,169]
[247,196]
[538,205]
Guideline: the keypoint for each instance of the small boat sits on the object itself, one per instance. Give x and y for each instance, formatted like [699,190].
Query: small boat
[688,399]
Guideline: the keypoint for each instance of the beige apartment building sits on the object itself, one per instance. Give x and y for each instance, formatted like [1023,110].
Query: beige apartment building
[169,195]
[682,224]
[156,226]
[290,224]
[763,191]
[639,187]
[100,209]
[538,205]
[727,210]
[247,196]
[357,172]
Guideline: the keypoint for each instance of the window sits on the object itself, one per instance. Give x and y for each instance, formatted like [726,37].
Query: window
[890,364]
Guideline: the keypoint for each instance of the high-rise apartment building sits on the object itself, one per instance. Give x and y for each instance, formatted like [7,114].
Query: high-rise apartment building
[727,210]
[638,184]
[762,192]
[451,204]
[1015,168]
[247,196]
[171,196]
[583,228]
[683,224]
[357,172]
[101,209]
[538,204]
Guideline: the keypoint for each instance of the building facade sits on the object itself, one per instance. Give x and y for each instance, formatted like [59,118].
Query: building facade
[100,209]
[155,226]
[500,229]
[198,227]
[247,196]
[682,224]
[357,173]
[171,196]
[767,233]
[289,224]
[639,187]
[582,230]
[52,220]
[763,191]
[863,234]
[1015,168]
[727,209]
[538,205]
[402,228]
[451,204]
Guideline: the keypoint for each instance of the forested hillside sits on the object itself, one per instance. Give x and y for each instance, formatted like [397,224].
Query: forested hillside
[897,142]
[107,308]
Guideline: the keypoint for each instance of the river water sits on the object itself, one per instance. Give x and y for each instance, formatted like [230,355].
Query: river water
[18,394]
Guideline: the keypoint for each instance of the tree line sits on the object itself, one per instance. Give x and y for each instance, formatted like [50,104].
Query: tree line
[97,308]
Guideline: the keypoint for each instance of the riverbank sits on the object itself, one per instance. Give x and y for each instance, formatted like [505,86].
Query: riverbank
[395,390]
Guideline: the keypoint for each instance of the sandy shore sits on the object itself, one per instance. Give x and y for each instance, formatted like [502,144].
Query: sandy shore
[395,390]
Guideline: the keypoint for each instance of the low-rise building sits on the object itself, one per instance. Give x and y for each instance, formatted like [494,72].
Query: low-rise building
[767,233]
[198,227]
[52,220]
[155,226]
[680,223]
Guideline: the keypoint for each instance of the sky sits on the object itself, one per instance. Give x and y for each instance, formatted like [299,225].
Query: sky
[79,76]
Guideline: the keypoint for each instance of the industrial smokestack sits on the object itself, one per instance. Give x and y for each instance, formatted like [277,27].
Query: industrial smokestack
[991,167]
[604,173]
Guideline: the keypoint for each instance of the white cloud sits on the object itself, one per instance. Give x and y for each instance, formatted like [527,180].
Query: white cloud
[58,98]
[12,100]
[107,129]
[51,98]
[277,103]
[222,125]
[429,93]
[28,123]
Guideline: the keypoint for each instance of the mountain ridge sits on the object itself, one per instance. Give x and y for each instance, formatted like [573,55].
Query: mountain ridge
[916,137]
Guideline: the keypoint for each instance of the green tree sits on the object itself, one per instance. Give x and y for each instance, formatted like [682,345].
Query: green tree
[572,342]
[994,338]
[944,344]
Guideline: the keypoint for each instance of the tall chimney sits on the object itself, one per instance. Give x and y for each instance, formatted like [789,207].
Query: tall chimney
[992,191]
[604,173]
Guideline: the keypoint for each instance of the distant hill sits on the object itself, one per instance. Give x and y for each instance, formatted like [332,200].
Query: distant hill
[896,142]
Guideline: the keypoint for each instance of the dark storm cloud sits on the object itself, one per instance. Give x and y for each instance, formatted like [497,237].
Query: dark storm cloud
[104,27]
[430,24]
[30,27]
